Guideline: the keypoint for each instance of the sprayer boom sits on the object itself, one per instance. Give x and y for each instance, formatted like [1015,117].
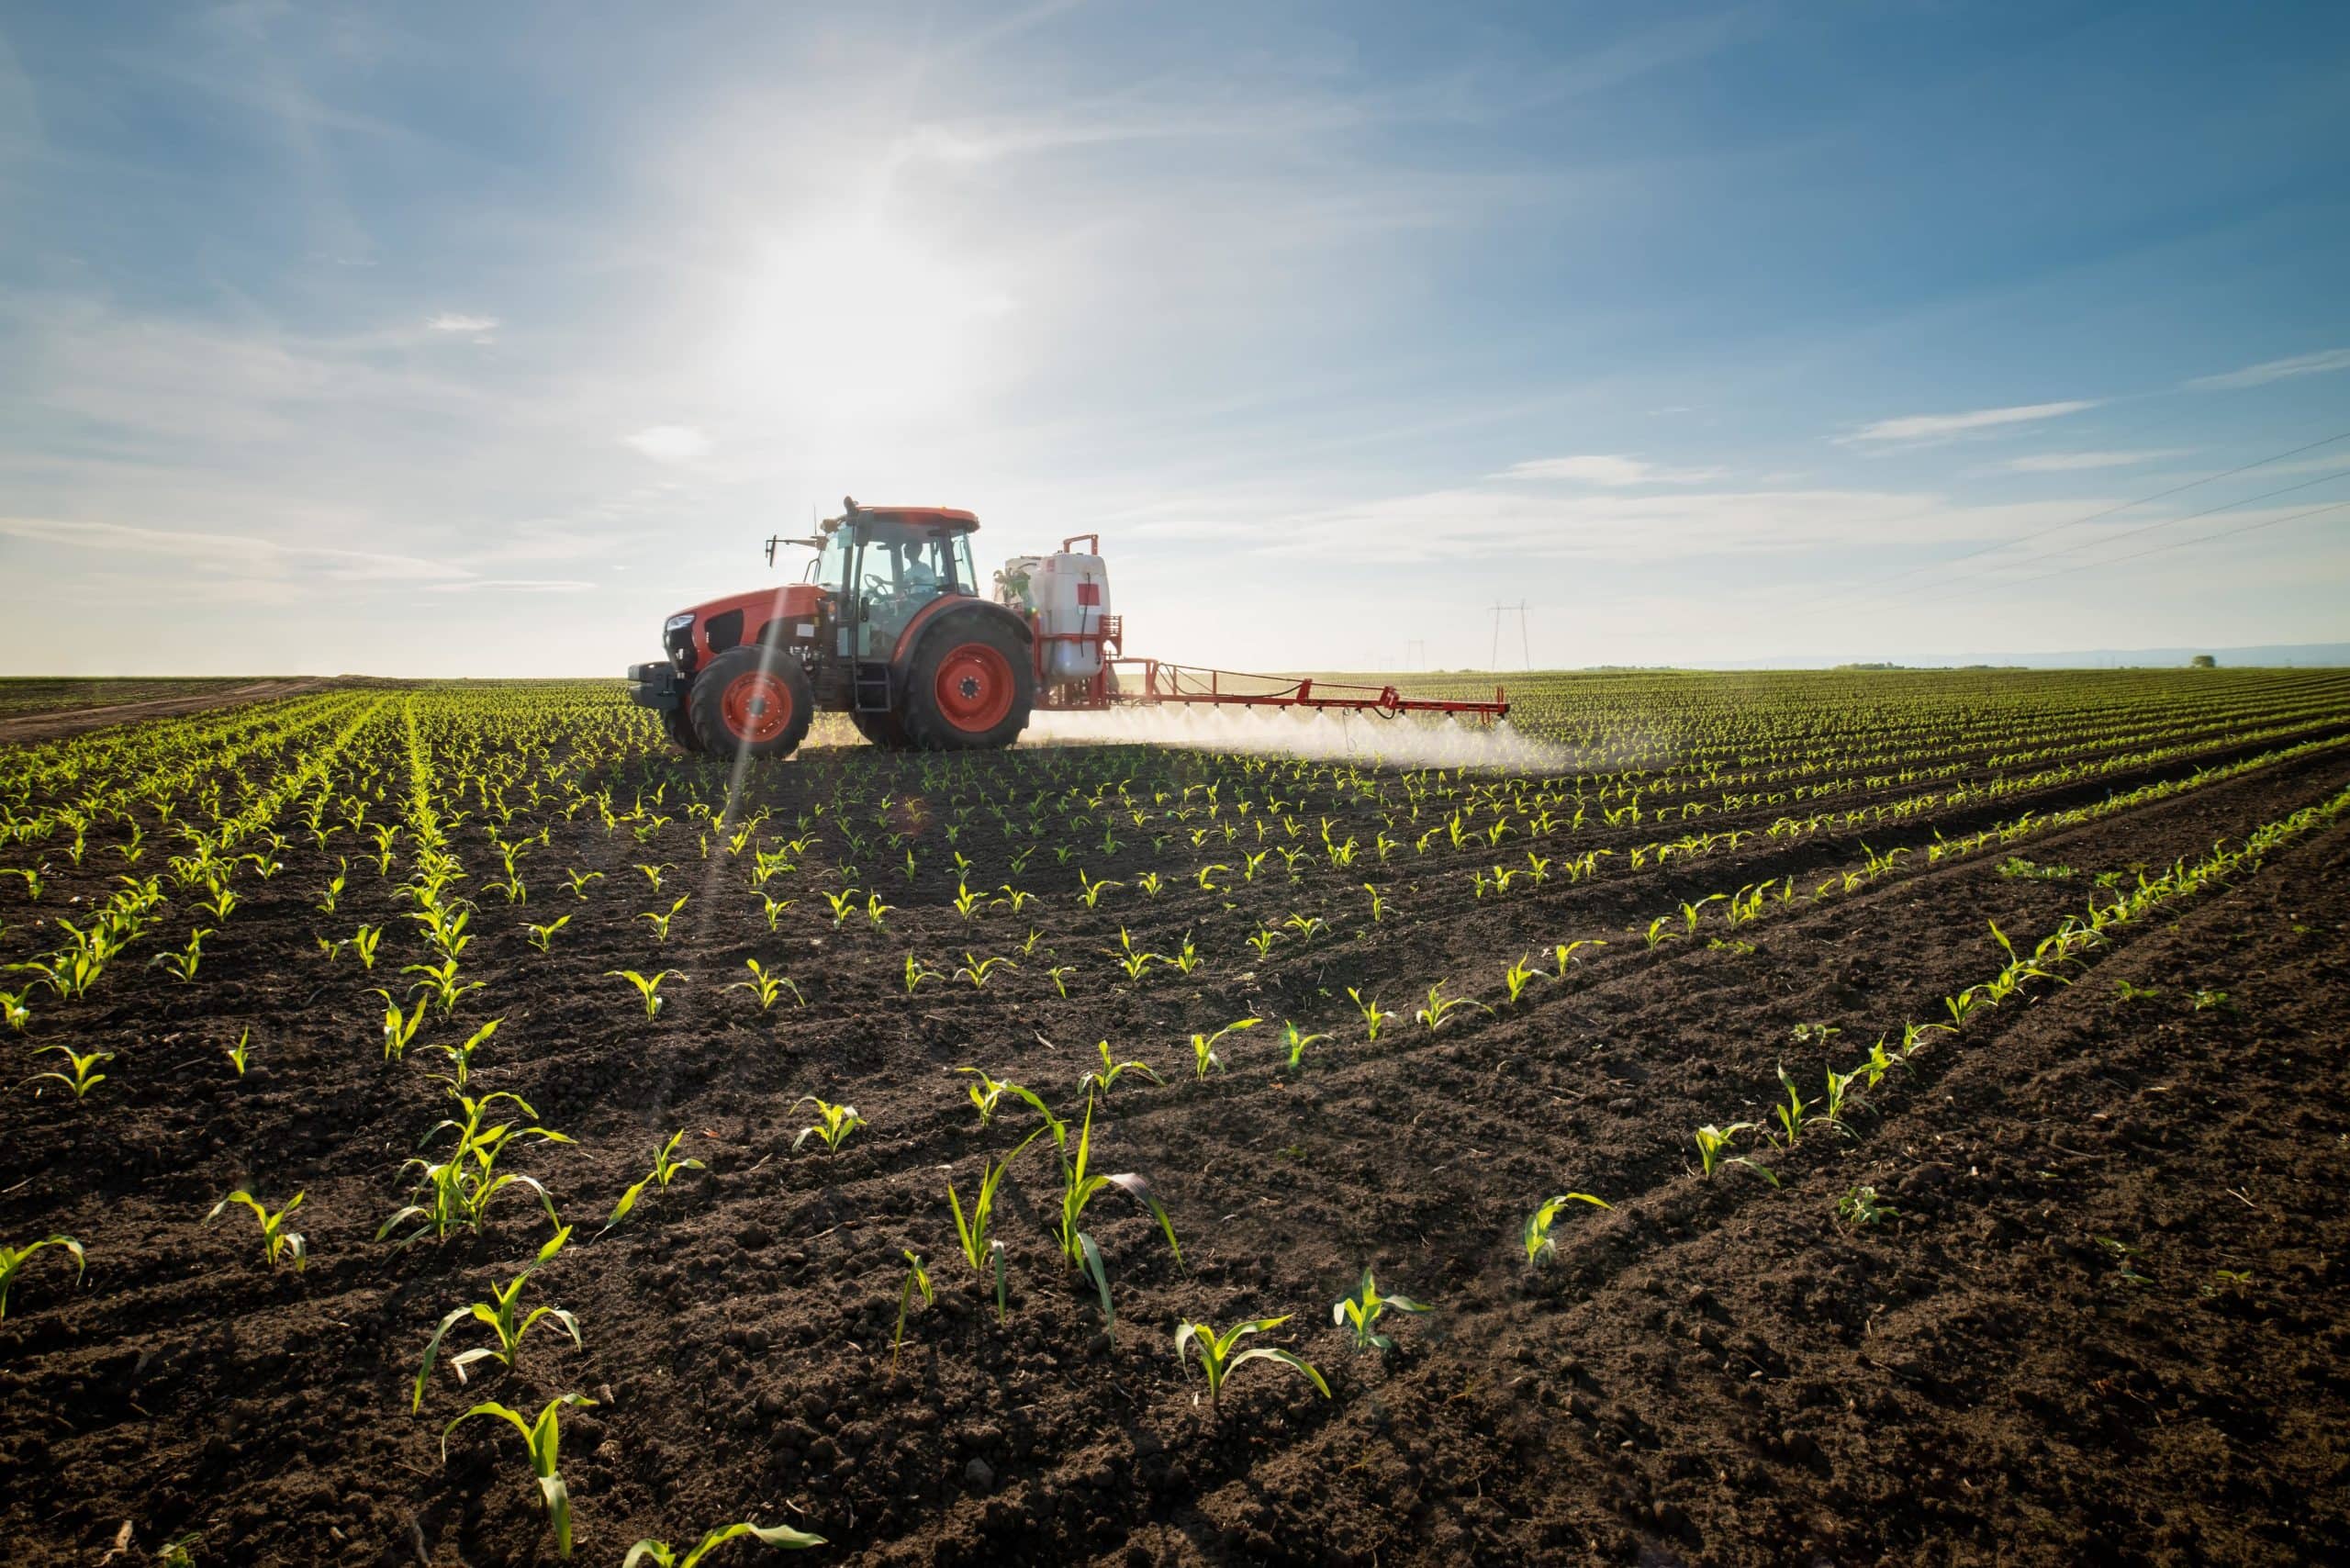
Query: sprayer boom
[1162,682]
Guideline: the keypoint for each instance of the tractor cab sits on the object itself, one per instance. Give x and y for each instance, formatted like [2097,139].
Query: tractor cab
[880,567]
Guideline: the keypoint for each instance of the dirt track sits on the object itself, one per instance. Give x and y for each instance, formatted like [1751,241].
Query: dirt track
[32,727]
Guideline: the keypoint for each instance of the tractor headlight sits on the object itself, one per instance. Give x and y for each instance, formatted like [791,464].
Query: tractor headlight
[677,622]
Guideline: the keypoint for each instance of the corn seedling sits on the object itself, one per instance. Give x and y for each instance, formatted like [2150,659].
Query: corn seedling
[665,1170]
[1297,1041]
[833,1125]
[461,1058]
[1093,891]
[917,1279]
[500,1314]
[1359,1313]
[876,911]
[661,1554]
[84,1077]
[577,880]
[1203,1055]
[457,1190]
[1134,963]
[543,1438]
[1517,977]
[1440,1008]
[661,922]
[1792,1110]
[541,935]
[980,1251]
[183,964]
[653,874]
[1713,1141]
[363,942]
[13,1258]
[1539,1244]
[767,987]
[648,990]
[1078,1189]
[1059,974]
[978,970]
[916,974]
[241,1053]
[1218,1357]
[440,983]
[276,1241]
[400,1029]
[1372,1014]
[1105,1078]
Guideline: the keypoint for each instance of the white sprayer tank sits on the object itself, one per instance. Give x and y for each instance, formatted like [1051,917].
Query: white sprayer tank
[1070,595]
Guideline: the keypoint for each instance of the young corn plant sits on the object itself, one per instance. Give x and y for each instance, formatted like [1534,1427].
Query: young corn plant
[665,1170]
[277,1243]
[980,1249]
[501,1315]
[661,922]
[543,1438]
[241,1053]
[13,1258]
[1359,1313]
[1219,1356]
[647,990]
[773,909]
[1203,1055]
[1296,1041]
[541,936]
[917,1279]
[1440,1009]
[767,987]
[1374,1015]
[661,1554]
[1517,977]
[400,1028]
[461,1058]
[1080,1188]
[1106,1077]
[84,1077]
[1539,1244]
[978,970]
[1712,1141]
[834,1123]
[457,1190]
[363,942]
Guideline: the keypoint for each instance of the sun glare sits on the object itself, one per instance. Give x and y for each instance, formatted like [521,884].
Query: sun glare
[861,322]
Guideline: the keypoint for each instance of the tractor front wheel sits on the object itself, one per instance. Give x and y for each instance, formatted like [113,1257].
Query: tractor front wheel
[969,688]
[755,701]
[880,729]
[678,725]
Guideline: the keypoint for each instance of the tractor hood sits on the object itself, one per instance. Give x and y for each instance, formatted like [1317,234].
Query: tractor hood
[694,636]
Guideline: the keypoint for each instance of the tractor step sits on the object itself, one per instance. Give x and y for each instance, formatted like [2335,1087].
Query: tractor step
[871,694]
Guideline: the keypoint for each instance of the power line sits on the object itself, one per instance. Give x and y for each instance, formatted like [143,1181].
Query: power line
[2183,544]
[2125,534]
[2092,517]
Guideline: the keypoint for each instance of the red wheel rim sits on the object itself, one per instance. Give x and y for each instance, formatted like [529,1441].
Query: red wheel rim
[756,706]
[974,687]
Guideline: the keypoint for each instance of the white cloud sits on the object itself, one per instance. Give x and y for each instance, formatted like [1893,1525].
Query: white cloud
[2276,370]
[450,321]
[2069,461]
[1497,525]
[514,585]
[670,443]
[232,555]
[1925,426]
[1605,470]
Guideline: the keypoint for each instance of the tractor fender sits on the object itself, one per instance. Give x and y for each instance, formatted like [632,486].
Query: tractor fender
[953,608]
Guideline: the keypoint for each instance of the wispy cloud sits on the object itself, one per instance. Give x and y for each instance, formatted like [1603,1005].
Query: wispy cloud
[670,443]
[2072,462]
[232,553]
[453,322]
[2276,370]
[1605,470]
[515,585]
[1927,427]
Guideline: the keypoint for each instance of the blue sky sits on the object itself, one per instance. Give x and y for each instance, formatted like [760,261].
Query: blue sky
[461,338]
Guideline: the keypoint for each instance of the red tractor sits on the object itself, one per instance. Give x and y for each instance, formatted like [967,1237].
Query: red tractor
[892,626]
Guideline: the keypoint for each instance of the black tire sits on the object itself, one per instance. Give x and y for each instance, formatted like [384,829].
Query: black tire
[735,701]
[678,725]
[880,729]
[969,686]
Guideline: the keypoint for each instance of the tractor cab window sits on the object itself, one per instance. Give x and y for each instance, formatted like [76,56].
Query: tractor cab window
[903,568]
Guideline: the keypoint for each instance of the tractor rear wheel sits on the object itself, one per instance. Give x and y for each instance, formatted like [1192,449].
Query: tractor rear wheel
[752,700]
[969,688]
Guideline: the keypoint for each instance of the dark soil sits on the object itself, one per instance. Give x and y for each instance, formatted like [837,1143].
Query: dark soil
[2100,1318]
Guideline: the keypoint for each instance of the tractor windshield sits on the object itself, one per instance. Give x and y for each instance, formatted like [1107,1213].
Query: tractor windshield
[904,567]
